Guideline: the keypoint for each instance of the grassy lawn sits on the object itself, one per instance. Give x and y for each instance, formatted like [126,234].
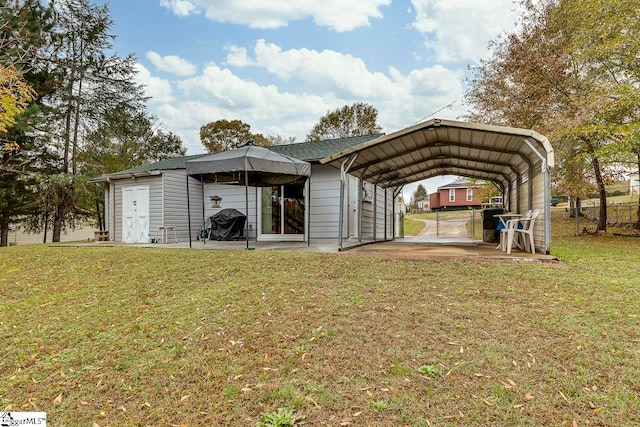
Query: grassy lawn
[138,336]
[412,227]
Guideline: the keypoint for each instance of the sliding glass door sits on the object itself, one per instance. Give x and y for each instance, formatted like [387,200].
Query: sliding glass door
[282,212]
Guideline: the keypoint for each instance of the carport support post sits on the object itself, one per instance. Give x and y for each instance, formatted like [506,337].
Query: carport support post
[307,211]
[547,196]
[204,219]
[360,216]
[246,200]
[344,168]
[386,213]
[375,211]
[188,213]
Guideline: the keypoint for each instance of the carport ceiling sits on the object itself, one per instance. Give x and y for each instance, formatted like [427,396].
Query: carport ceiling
[446,147]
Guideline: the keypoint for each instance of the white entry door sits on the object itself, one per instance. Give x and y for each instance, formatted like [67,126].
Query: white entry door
[135,214]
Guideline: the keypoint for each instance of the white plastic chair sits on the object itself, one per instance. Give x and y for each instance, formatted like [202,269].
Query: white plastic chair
[513,232]
[527,230]
[507,234]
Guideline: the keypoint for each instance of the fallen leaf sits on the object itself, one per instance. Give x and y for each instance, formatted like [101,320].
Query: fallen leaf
[505,384]
[597,410]
[58,399]
[528,396]
[183,398]
[246,389]
[513,384]
[574,423]
[357,414]
[592,405]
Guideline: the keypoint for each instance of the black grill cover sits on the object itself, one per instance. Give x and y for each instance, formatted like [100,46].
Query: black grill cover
[228,224]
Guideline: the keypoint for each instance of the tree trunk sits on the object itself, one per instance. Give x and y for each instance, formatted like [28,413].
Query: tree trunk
[4,230]
[637,224]
[602,192]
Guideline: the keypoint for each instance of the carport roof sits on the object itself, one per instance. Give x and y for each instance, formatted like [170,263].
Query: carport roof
[446,147]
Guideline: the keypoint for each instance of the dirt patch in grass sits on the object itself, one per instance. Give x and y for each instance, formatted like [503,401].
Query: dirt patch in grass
[134,336]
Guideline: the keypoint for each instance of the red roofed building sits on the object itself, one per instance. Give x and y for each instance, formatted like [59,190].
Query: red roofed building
[457,195]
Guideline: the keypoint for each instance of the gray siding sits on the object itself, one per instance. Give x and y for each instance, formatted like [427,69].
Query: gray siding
[324,202]
[371,211]
[176,207]
[233,197]
[155,203]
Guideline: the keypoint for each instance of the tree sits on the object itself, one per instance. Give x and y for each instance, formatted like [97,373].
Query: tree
[420,193]
[223,135]
[15,96]
[24,29]
[551,75]
[280,140]
[90,82]
[356,119]
[125,140]
[417,196]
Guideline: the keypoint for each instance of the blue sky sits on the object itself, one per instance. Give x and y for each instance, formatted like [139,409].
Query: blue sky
[279,65]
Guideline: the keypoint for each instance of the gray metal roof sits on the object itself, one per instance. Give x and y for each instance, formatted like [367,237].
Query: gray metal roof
[446,147]
[311,151]
[458,184]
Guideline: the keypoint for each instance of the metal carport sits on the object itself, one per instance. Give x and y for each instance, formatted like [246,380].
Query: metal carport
[516,160]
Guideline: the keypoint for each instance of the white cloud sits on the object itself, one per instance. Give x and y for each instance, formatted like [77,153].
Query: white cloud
[462,29]
[329,79]
[338,15]
[348,77]
[238,56]
[180,7]
[172,64]
[159,90]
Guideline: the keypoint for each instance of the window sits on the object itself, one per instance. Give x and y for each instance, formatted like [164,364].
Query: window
[452,195]
[469,194]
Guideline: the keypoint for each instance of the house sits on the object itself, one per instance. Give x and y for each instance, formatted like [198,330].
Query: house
[349,187]
[139,201]
[456,195]
[422,205]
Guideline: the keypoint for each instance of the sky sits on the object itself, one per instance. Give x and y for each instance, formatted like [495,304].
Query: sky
[280,65]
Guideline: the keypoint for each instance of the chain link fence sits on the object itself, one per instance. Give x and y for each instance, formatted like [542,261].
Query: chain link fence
[620,215]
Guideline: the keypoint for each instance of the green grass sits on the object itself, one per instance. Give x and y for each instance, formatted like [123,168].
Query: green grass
[149,336]
[412,227]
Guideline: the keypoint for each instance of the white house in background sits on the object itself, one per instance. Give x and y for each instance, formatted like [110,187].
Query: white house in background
[634,183]
[139,201]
